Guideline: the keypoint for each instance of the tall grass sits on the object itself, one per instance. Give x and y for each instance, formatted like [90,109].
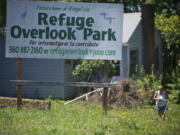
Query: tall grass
[86,119]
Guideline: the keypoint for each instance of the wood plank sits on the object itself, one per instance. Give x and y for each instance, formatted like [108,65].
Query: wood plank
[54,83]
[97,90]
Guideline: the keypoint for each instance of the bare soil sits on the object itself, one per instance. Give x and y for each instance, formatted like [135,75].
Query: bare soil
[26,103]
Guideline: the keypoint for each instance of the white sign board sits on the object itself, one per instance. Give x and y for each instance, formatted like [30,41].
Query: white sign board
[64,30]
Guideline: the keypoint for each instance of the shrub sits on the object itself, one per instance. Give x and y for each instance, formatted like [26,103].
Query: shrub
[92,70]
[147,85]
[174,86]
[148,81]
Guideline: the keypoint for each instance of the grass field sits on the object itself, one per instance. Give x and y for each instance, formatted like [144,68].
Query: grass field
[85,119]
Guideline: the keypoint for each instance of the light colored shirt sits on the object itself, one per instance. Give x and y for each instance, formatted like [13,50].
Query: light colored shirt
[162,97]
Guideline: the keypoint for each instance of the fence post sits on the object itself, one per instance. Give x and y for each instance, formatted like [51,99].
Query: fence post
[19,87]
[105,102]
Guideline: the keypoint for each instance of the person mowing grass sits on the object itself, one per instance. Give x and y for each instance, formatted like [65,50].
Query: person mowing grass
[162,99]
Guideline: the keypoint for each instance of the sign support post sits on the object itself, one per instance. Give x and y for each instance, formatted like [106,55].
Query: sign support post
[105,98]
[19,87]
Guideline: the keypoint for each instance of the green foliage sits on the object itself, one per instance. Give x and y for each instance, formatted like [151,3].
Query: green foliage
[166,7]
[150,81]
[170,30]
[150,1]
[175,86]
[93,68]
[86,119]
[175,96]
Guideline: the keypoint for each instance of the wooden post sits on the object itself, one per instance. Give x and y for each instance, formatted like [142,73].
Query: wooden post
[105,102]
[19,87]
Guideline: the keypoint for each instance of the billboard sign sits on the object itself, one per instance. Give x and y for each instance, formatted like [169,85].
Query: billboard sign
[64,30]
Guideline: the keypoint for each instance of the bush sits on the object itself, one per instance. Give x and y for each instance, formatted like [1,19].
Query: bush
[148,81]
[175,96]
[92,70]
[174,86]
[146,85]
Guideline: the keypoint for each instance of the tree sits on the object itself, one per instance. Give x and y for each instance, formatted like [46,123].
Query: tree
[170,31]
[2,13]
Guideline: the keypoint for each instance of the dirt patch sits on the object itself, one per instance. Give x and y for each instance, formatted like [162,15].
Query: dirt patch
[123,95]
[26,103]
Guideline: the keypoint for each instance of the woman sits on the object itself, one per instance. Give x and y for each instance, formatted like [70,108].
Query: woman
[161,97]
